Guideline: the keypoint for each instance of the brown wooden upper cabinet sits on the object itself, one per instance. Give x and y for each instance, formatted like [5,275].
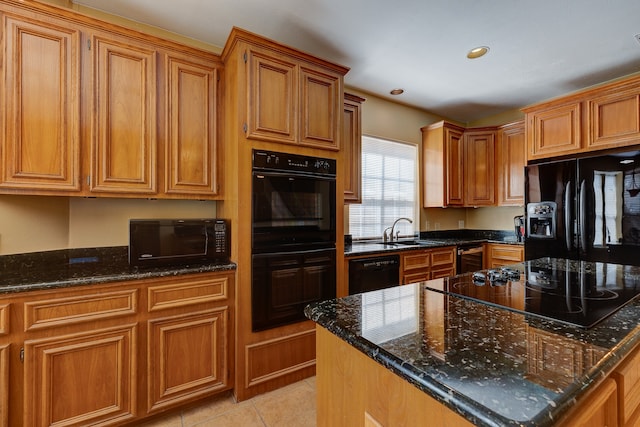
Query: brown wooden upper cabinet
[459,165]
[40,138]
[510,163]
[352,148]
[443,160]
[479,167]
[124,140]
[115,114]
[604,117]
[191,112]
[292,101]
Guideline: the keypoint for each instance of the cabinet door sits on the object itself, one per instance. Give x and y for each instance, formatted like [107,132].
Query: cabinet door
[614,119]
[123,152]
[479,152]
[352,148]
[4,385]
[273,98]
[191,155]
[554,131]
[320,107]
[598,410]
[187,357]
[81,379]
[454,147]
[40,105]
[511,160]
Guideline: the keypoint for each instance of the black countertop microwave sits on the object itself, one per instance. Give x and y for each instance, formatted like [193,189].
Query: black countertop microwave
[155,242]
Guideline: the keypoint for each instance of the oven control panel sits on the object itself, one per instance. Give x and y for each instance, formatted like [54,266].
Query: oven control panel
[286,162]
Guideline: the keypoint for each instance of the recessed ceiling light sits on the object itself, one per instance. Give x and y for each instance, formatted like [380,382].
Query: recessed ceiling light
[397,91]
[477,52]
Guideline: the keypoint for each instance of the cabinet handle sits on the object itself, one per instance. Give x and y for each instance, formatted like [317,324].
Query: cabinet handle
[22,354]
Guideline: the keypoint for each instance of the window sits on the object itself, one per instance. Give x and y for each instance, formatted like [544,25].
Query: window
[389,189]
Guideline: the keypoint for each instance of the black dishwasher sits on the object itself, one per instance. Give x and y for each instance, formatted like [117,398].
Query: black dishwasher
[469,258]
[370,274]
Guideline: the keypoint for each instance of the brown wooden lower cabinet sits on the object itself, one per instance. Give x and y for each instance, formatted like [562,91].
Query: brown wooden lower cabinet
[499,254]
[186,359]
[4,384]
[627,376]
[599,409]
[82,378]
[117,353]
[426,264]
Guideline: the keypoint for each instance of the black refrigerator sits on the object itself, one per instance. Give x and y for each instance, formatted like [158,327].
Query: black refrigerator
[584,209]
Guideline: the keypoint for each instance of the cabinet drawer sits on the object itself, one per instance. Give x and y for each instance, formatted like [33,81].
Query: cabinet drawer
[507,253]
[627,376]
[4,319]
[415,276]
[443,257]
[438,273]
[416,261]
[188,293]
[79,308]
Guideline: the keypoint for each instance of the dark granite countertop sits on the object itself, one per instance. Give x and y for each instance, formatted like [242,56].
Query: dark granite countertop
[478,359]
[86,266]
[429,240]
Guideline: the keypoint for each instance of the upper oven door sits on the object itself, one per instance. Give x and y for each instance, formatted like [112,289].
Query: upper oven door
[291,209]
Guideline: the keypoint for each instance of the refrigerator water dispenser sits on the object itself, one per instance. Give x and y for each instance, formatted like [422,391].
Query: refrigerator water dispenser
[541,220]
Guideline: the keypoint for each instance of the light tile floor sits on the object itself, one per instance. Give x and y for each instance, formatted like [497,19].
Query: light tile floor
[290,406]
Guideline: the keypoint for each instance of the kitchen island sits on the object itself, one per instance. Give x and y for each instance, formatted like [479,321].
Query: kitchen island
[389,356]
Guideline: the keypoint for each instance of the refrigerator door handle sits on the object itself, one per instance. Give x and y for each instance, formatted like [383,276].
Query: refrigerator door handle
[568,222]
[582,219]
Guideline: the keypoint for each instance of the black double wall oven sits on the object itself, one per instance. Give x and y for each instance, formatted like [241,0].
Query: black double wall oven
[293,236]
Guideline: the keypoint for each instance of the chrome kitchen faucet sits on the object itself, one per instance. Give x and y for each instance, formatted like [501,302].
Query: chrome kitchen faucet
[389,238]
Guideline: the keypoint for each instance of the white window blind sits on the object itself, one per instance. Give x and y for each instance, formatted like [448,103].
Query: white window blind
[389,188]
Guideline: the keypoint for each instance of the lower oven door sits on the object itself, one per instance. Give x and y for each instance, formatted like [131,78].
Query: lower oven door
[284,283]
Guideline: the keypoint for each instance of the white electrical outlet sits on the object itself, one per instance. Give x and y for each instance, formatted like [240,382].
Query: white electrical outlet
[461,224]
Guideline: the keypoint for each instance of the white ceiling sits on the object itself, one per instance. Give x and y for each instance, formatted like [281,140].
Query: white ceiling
[539,48]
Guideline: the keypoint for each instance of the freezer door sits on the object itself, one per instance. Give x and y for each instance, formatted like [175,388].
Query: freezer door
[551,210]
[609,208]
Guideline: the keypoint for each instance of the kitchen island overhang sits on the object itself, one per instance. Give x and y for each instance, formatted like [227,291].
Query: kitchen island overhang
[493,366]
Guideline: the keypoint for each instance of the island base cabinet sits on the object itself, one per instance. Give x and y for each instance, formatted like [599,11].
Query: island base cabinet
[81,379]
[627,376]
[598,410]
[353,390]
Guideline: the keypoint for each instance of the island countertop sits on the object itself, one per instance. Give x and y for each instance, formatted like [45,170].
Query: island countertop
[480,360]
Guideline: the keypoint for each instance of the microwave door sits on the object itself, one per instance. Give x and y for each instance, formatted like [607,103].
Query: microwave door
[609,208]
